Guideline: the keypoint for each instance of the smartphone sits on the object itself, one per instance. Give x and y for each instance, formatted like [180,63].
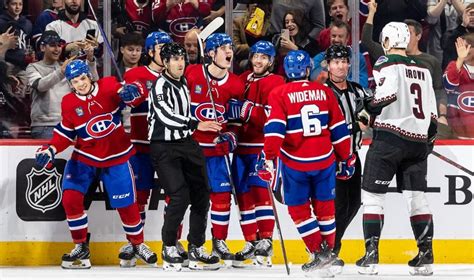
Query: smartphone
[90,34]
[285,33]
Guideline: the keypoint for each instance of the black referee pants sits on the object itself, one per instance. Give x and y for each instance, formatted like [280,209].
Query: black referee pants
[181,168]
[347,203]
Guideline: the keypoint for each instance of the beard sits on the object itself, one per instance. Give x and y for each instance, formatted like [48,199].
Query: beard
[73,11]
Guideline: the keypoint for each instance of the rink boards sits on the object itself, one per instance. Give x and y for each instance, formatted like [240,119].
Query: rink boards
[33,230]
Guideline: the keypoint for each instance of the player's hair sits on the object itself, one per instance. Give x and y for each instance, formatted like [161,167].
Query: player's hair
[415,24]
[469,38]
[331,2]
[340,24]
[132,39]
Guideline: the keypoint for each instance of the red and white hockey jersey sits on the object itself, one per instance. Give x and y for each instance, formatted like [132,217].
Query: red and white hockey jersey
[460,89]
[180,18]
[138,117]
[95,123]
[201,106]
[139,15]
[306,126]
[257,90]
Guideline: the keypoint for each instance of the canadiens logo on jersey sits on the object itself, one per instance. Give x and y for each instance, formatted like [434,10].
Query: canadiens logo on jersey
[100,126]
[466,101]
[179,27]
[205,112]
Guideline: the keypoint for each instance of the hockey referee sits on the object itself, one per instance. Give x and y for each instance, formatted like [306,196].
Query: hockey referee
[179,161]
[349,94]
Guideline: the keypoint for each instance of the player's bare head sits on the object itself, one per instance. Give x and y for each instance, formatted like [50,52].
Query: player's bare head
[262,56]
[173,56]
[297,65]
[220,48]
[14,7]
[78,76]
[73,7]
[394,35]
[338,61]
[191,45]
[339,32]
[153,43]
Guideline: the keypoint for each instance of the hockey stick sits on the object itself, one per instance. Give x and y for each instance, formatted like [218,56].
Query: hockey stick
[277,222]
[453,163]
[106,43]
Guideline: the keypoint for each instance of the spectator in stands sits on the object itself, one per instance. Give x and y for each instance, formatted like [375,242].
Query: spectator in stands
[191,45]
[132,16]
[466,26]
[11,17]
[46,78]
[47,16]
[245,35]
[73,26]
[177,17]
[443,16]
[131,47]
[339,33]
[312,12]
[8,41]
[295,39]
[459,83]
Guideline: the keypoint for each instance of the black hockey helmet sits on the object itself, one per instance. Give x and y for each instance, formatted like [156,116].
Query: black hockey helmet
[338,51]
[172,49]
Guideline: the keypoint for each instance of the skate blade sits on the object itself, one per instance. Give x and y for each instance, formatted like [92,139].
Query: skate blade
[369,270]
[425,270]
[128,263]
[77,264]
[172,266]
[320,273]
[244,263]
[196,265]
[336,269]
[185,263]
[263,261]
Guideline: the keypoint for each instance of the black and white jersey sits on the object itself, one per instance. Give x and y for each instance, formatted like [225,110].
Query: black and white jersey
[169,114]
[348,100]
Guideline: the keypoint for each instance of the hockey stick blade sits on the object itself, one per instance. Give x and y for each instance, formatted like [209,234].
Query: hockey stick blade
[211,28]
[453,163]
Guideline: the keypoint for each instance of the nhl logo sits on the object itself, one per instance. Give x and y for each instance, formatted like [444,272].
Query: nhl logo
[43,192]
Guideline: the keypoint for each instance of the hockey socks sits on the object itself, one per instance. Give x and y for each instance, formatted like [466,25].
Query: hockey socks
[132,223]
[372,225]
[263,212]
[73,203]
[422,226]
[220,214]
[248,221]
[325,213]
[307,226]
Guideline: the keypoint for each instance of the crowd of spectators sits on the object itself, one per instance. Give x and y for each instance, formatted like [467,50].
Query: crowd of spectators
[33,56]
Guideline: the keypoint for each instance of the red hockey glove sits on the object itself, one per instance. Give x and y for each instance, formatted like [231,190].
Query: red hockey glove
[246,110]
[45,156]
[346,168]
[265,168]
[226,142]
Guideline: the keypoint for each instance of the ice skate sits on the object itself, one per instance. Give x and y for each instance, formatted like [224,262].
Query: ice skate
[422,263]
[368,263]
[127,256]
[220,249]
[143,252]
[172,261]
[182,252]
[337,266]
[78,258]
[248,253]
[264,252]
[319,264]
[200,260]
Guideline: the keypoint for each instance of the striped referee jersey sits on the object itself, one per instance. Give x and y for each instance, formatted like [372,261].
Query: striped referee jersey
[169,110]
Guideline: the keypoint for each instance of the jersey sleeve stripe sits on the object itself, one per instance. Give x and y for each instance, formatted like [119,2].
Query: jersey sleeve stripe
[341,140]
[339,132]
[275,127]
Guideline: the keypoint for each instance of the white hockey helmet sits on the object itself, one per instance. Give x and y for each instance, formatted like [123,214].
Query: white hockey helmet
[398,35]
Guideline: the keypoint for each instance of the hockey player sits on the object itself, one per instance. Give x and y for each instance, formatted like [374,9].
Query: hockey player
[141,162]
[91,116]
[179,161]
[210,104]
[350,96]
[257,220]
[306,128]
[404,127]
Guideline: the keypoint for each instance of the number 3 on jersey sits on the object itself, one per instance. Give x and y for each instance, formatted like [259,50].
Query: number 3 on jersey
[418,110]
[310,121]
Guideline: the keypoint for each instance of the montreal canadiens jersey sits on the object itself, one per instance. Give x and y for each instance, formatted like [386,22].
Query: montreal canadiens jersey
[405,88]
[138,117]
[95,123]
[180,18]
[306,127]
[257,90]
[201,106]
[139,14]
[460,89]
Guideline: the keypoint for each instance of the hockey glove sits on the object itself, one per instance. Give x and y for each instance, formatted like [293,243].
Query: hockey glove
[246,111]
[234,108]
[45,156]
[362,115]
[346,168]
[226,142]
[265,168]
[129,93]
